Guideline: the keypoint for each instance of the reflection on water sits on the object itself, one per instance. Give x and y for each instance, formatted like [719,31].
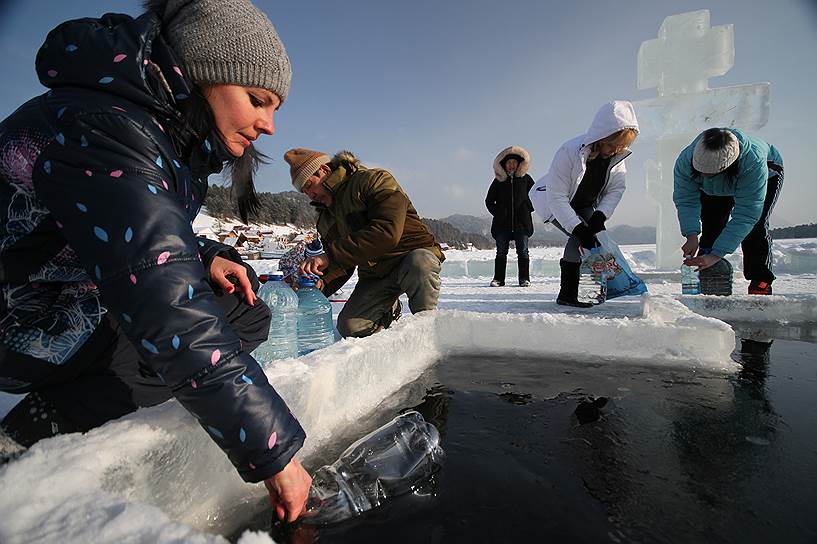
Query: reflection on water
[542,449]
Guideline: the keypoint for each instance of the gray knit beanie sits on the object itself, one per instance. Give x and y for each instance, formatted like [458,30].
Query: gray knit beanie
[225,41]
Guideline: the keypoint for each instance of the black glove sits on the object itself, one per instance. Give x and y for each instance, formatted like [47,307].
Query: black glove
[597,222]
[586,236]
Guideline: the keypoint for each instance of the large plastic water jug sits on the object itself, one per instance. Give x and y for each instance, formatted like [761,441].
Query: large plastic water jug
[282,341]
[593,277]
[390,461]
[717,279]
[315,328]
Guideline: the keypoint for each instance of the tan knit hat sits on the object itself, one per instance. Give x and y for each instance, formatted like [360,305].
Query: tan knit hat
[303,163]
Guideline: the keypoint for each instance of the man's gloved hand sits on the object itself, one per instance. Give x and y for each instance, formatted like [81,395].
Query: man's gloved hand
[586,236]
[597,222]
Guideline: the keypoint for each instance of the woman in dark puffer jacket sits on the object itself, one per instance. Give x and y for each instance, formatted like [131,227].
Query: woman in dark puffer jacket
[108,301]
[508,202]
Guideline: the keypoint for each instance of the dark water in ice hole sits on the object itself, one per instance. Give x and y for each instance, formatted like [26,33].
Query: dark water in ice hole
[674,456]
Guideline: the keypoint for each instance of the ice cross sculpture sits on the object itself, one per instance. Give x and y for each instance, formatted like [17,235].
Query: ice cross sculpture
[687,52]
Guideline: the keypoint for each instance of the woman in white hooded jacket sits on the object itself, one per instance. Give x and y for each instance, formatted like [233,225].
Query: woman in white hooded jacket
[583,187]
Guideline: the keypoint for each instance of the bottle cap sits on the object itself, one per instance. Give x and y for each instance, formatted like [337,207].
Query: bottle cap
[272,276]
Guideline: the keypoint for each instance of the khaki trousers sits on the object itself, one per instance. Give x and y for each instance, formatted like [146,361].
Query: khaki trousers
[371,306]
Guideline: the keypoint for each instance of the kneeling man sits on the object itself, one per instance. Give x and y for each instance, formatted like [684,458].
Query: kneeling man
[366,221]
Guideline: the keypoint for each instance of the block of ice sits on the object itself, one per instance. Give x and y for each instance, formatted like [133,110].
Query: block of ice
[744,106]
[686,53]
[484,268]
[754,308]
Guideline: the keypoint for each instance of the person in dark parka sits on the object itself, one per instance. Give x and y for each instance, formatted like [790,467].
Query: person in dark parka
[108,301]
[508,202]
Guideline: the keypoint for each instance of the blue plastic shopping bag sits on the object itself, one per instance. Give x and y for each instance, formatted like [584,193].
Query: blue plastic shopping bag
[621,280]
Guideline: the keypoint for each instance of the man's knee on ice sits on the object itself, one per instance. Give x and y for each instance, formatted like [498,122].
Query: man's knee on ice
[356,327]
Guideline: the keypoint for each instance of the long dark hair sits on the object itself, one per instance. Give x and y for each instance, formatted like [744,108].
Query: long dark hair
[199,115]
[199,122]
[715,139]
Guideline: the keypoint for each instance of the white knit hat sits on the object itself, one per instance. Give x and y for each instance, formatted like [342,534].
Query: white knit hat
[715,161]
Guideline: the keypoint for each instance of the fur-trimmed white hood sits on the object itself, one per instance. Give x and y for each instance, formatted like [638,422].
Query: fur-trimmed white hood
[521,170]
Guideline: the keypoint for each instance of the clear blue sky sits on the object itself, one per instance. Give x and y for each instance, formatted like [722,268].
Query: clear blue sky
[432,90]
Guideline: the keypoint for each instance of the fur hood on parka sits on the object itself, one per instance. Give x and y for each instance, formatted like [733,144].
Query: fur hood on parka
[521,170]
[347,160]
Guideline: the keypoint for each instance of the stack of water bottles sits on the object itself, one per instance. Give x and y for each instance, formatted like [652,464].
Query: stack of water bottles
[301,323]
[593,277]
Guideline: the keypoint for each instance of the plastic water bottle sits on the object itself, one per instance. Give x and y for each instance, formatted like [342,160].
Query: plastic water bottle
[282,341]
[315,328]
[593,277]
[690,282]
[390,461]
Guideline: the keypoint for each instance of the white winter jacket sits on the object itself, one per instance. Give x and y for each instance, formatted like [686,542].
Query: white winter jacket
[551,195]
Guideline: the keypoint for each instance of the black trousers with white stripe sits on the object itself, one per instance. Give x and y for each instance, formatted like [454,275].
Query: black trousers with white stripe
[757,246]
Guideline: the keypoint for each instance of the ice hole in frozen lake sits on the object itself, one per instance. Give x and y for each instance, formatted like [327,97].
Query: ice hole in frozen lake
[160,472]
[541,448]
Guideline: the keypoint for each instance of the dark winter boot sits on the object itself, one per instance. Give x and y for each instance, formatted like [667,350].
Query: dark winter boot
[499,271]
[569,292]
[524,272]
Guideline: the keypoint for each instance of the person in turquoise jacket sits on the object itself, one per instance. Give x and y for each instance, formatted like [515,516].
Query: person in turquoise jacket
[726,186]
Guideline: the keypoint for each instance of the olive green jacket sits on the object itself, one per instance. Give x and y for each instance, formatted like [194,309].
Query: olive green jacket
[370,225]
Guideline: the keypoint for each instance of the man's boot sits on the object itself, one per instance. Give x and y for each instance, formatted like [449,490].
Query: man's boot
[760,287]
[392,315]
[524,272]
[499,271]
[569,292]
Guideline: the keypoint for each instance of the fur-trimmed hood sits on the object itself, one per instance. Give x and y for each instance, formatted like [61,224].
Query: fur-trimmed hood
[346,159]
[500,173]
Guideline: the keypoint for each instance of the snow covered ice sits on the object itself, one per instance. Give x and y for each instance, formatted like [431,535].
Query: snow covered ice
[156,476]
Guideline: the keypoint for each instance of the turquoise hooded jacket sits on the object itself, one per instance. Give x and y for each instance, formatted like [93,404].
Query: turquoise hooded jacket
[748,190]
